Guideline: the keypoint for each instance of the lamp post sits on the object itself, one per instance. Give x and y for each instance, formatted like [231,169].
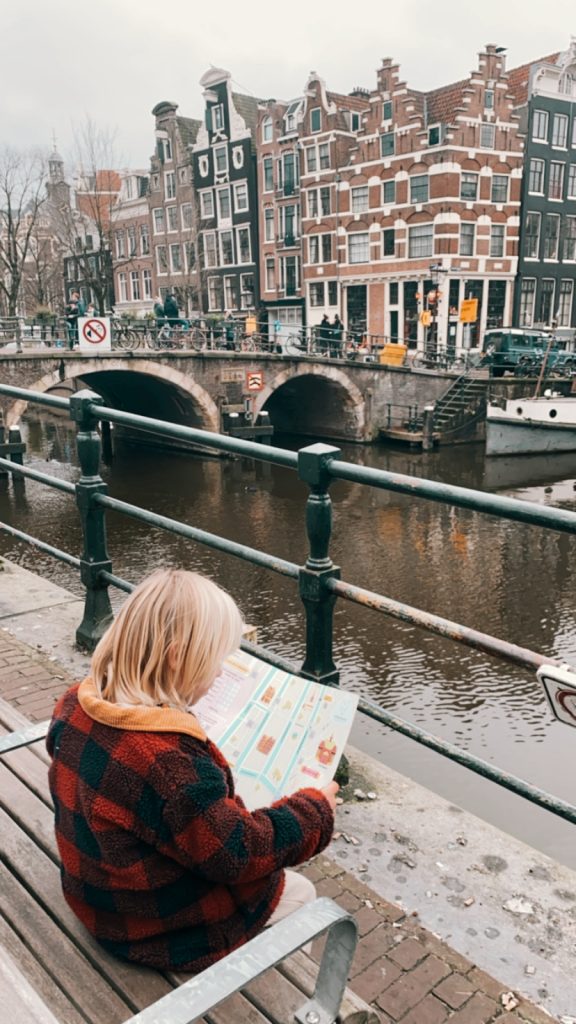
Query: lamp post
[432,303]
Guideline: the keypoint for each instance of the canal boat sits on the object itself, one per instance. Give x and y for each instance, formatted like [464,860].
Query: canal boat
[522,426]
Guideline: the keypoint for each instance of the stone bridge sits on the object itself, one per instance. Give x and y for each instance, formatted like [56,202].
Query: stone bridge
[326,398]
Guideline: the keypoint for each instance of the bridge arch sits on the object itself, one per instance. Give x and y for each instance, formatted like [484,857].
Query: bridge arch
[315,400]
[140,386]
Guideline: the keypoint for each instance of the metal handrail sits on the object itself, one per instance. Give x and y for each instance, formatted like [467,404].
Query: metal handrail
[319,579]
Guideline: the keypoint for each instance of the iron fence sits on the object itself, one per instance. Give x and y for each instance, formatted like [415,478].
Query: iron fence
[318,579]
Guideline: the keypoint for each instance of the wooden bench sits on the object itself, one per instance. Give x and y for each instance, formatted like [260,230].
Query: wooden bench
[57,974]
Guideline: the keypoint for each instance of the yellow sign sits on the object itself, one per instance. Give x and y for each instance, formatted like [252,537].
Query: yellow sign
[250,326]
[425,318]
[469,311]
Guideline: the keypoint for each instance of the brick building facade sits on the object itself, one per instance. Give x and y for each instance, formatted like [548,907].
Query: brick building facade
[132,253]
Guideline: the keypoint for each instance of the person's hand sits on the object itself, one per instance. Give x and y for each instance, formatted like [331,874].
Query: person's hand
[330,793]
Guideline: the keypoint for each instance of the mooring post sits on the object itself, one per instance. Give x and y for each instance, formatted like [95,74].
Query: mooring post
[318,602]
[428,428]
[97,608]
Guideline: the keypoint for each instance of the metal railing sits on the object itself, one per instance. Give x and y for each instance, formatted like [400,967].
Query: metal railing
[318,580]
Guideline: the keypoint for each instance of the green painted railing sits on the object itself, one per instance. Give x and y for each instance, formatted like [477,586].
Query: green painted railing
[318,579]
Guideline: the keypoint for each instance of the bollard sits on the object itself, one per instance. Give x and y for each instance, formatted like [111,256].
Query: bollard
[428,428]
[97,608]
[318,602]
[15,438]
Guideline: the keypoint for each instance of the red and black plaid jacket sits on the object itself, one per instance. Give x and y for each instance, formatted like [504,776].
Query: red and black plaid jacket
[161,861]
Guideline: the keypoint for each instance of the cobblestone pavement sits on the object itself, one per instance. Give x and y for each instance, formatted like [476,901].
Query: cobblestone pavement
[407,974]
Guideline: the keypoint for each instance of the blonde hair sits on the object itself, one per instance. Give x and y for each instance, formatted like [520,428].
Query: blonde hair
[168,641]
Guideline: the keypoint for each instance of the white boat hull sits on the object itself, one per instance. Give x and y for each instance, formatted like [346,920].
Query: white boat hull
[531,425]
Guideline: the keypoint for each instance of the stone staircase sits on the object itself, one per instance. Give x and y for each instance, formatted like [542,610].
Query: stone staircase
[457,411]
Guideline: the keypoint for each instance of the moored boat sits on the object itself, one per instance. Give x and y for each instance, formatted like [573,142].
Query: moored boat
[522,426]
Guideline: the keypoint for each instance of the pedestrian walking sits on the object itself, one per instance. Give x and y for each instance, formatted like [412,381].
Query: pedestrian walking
[337,332]
[324,335]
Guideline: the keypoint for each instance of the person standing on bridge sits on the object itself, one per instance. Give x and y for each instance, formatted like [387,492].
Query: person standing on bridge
[74,308]
[171,310]
[161,860]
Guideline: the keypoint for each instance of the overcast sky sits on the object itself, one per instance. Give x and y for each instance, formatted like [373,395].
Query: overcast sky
[113,60]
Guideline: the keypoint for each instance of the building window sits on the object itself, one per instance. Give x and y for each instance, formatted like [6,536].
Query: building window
[170,185]
[221,159]
[314,249]
[359,248]
[556,180]
[387,144]
[267,130]
[290,176]
[240,196]
[551,234]
[489,99]
[569,247]
[268,224]
[176,258]
[268,168]
[487,136]
[387,110]
[223,196]
[210,249]
[545,309]
[532,236]
[420,241]
[183,175]
[144,240]
[388,242]
[499,188]
[161,259]
[247,291]
[186,216]
[214,293]
[122,288]
[315,120]
[527,295]
[324,155]
[540,126]
[536,176]
[226,248]
[355,125]
[571,192]
[230,298]
[147,284]
[290,275]
[564,312]
[359,199]
[120,244]
[317,293]
[560,130]
[172,218]
[206,205]
[289,223]
[313,202]
[326,248]
[388,192]
[469,186]
[270,274]
[332,293]
[243,245]
[132,240]
[324,201]
[311,159]
[434,135]
[217,117]
[467,232]
[158,217]
[189,256]
[135,285]
[419,188]
[497,233]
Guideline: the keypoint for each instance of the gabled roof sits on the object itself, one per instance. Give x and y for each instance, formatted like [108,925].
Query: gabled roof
[440,104]
[247,107]
[188,128]
[518,78]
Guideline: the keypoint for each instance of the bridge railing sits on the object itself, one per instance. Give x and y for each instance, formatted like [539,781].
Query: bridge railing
[318,579]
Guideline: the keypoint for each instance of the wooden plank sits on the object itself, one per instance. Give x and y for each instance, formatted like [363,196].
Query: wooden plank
[82,984]
[278,997]
[37,977]
[13,720]
[239,1010]
[28,811]
[302,972]
[140,986]
[18,999]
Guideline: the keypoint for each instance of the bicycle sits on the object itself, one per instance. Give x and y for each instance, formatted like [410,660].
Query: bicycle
[126,336]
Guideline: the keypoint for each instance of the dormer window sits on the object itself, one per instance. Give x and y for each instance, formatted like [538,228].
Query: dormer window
[290,116]
[217,116]
[489,99]
[387,110]
[267,129]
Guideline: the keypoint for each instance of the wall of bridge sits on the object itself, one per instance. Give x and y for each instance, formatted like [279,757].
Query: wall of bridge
[328,398]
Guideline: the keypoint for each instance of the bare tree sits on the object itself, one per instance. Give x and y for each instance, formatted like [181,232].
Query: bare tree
[22,194]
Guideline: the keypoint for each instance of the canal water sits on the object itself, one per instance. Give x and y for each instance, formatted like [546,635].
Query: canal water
[513,581]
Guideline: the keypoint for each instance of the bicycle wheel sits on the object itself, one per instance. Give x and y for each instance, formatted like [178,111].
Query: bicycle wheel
[127,339]
[196,339]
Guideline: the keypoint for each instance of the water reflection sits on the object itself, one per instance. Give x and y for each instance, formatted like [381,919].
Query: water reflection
[512,580]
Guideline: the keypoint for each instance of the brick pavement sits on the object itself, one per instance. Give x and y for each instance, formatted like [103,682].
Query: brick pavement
[404,971]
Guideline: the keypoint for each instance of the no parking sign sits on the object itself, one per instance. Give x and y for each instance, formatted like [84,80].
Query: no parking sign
[94,333]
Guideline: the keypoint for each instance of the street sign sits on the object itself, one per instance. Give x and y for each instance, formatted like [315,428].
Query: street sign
[560,688]
[94,333]
[255,380]
[469,311]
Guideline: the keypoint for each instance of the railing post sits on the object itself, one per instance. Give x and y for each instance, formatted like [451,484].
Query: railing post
[317,601]
[97,608]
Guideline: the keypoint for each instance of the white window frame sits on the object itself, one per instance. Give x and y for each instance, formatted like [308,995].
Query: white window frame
[268,164]
[147,284]
[500,178]
[556,180]
[565,301]
[207,204]
[546,219]
[269,274]
[175,246]
[135,286]
[538,173]
[419,178]
[311,159]
[217,151]
[158,220]
[171,219]
[221,234]
[239,229]
[560,138]
[170,184]
[213,286]
[144,239]
[314,249]
[487,138]
[161,272]
[120,240]
[470,235]
[186,215]
[222,218]
[217,117]
[269,224]
[540,117]
[123,287]
[389,202]
[360,199]
[246,293]
[317,288]
[532,255]
[526,310]
[212,235]
[571,186]
[497,241]
[356,248]
[267,129]
[315,110]
[230,295]
[424,235]
[238,185]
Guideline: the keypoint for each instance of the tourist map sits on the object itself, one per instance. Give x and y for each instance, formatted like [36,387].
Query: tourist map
[278,732]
